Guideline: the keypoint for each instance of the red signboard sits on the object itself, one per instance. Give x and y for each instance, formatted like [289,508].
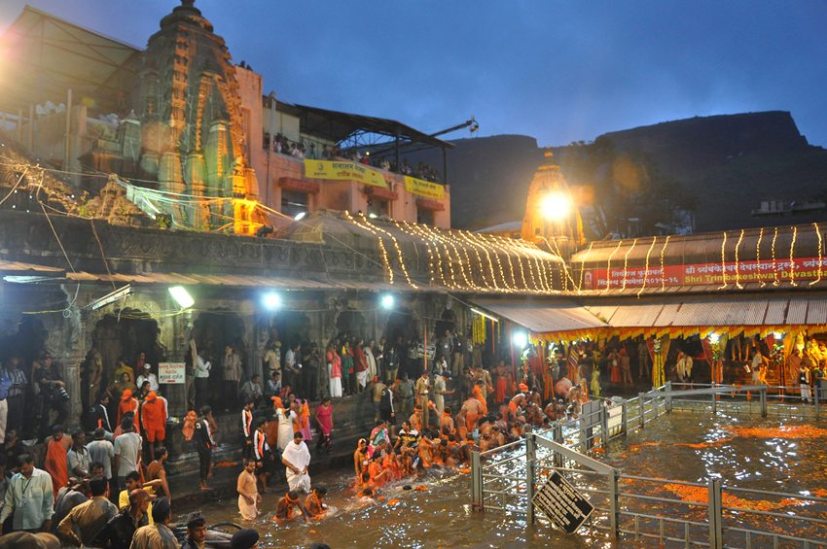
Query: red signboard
[706,274]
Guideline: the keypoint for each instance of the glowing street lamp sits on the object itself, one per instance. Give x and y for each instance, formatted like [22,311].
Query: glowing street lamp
[387,301]
[182,297]
[271,301]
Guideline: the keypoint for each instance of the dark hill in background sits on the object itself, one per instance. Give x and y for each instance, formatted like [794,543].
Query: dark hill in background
[717,168]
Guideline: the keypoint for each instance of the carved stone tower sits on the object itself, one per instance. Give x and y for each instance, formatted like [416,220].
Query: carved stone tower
[189,108]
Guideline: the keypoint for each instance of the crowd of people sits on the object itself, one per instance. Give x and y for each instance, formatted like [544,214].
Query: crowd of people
[313,151]
[433,405]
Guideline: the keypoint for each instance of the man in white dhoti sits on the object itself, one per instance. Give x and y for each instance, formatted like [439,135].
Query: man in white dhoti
[296,458]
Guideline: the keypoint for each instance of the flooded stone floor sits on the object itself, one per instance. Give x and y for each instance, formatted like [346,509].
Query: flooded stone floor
[749,453]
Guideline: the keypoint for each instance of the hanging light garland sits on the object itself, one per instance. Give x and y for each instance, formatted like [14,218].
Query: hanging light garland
[565,275]
[609,267]
[792,256]
[546,283]
[450,244]
[452,278]
[723,263]
[476,247]
[776,280]
[758,257]
[646,266]
[524,255]
[820,253]
[380,242]
[486,247]
[662,264]
[737,265]
[519,264]
[431,267]
[626,263]
[396,247]
[583,265]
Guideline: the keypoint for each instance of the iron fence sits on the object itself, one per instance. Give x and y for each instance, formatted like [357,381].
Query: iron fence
[663,511]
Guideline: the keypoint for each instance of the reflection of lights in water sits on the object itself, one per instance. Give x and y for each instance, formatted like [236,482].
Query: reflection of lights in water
[675,446]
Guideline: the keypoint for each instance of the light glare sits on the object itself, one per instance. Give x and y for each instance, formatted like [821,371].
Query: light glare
[181,296]
[271,301]
[387,301]
[519,339]
[555,206]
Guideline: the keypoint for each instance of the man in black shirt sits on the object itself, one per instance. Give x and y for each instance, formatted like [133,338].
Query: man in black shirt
[118,532]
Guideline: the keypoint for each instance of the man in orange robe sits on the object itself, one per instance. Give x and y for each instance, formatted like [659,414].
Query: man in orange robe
[128,404]
[154,420]
[55,461]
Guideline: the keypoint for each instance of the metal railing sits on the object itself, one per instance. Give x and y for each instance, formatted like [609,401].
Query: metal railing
[629,507]
[766,400]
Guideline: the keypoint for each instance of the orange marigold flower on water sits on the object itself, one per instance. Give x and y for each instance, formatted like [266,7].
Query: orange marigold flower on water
[787,432]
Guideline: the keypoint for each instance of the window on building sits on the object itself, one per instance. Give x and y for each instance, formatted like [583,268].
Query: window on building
[379,207]
[425,216]
[294,202]
[265,144]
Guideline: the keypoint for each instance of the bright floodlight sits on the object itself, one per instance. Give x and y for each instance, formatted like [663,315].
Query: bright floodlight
[519,339]
[181,296]
[299,216]
[387,301]
[714,338]
[271,301]
[555,206]
[778,335]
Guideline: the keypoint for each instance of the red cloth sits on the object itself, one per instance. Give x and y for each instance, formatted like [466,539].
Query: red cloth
[500,389]
[56,464]
[335,364]
[324,415]
[360,358]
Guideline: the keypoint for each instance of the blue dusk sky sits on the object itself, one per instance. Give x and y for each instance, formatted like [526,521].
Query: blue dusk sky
[558,71]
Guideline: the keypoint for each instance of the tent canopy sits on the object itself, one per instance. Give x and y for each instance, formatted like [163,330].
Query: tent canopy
[43,56]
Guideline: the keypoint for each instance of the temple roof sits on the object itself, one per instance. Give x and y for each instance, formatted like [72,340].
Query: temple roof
[336,125]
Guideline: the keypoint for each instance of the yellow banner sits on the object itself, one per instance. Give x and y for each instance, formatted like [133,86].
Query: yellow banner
[424,188]
[343,171]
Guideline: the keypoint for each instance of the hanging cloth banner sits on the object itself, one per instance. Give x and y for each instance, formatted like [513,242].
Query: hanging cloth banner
[343,171]
[426,189]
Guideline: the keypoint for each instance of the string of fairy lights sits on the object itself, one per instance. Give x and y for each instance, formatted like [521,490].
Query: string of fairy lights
[645,267]
[737,264]
[820,253]
[463,260]
[758,252]
[468,261]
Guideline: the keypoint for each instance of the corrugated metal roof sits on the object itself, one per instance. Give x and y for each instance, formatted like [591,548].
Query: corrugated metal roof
[668,313]
[797,312]
[602,312]
[635,315]
[7,267]
[719,311]
[543,317]
[817,311]
[776,312]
